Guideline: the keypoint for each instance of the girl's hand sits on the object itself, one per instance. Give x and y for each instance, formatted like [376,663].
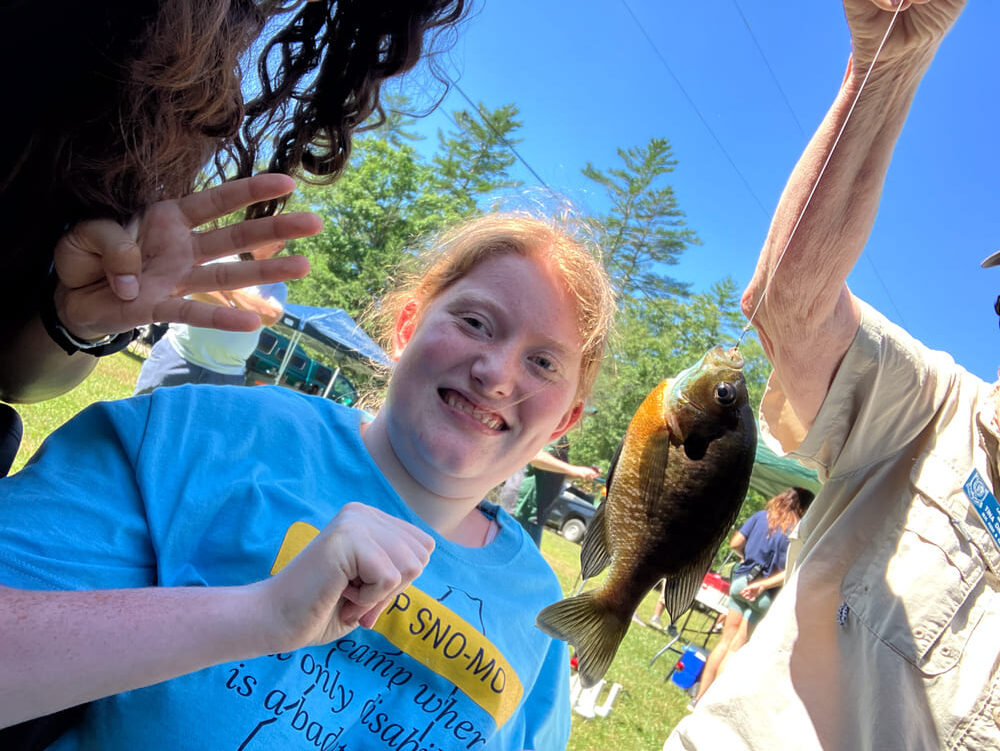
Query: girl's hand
[344,578]
[113,279]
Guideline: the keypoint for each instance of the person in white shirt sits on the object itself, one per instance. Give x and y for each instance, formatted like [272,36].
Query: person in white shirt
[192,354]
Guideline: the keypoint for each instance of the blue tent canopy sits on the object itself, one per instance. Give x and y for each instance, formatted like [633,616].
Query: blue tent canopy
[332,328]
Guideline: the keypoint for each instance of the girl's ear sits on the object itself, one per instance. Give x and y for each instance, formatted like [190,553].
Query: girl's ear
[571,418]
[406,323]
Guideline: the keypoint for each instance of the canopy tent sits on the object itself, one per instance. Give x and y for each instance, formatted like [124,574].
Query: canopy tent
[772,473]
[331,331]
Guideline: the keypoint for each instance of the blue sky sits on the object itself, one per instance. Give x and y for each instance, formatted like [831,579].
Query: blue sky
[738,86]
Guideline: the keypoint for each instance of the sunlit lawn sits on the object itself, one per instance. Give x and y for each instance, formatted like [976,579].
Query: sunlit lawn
[114,378]
[646,709]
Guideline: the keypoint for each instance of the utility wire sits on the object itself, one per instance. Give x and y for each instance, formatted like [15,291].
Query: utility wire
[694,106]
[499,135]
[770,70]
[666,66]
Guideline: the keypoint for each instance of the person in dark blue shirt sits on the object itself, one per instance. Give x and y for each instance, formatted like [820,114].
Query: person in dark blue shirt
[762,541]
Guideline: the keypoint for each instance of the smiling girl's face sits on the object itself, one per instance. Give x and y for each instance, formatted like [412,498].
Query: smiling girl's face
[487,374]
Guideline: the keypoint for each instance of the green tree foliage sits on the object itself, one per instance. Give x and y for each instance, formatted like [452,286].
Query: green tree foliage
[644,231]
[392,195]
[662,328]
[368,218]
[472,160]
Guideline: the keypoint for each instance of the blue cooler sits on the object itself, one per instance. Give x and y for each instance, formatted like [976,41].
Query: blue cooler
[689,667]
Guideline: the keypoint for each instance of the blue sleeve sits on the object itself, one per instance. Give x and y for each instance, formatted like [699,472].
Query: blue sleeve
[751,524]
[73,518]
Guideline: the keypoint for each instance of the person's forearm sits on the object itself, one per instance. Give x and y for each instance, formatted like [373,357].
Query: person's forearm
[35,368]
[737,542]
[835,228]
[60,649]
[545,460]
[808,318]
[269,312]
[774,580]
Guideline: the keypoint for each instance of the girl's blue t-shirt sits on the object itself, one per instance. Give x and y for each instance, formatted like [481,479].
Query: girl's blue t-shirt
[217,486]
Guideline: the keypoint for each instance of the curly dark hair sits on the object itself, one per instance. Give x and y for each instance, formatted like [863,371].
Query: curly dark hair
[127,103]
[320,74]
[353,46]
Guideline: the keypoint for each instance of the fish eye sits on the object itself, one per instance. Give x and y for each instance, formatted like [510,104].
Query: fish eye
[725,393]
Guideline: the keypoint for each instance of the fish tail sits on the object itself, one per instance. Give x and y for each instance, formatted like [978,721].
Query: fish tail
[587,623]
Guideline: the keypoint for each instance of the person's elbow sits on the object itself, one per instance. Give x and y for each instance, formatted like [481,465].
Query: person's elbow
[36,370]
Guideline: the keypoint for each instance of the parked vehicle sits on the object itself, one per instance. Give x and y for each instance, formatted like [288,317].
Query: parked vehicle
[571,512]
[302,373]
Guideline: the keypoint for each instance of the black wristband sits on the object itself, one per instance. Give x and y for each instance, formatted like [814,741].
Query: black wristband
[66,341]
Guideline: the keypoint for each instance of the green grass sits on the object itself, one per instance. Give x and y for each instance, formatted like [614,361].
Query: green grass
[114,378]
[647,707]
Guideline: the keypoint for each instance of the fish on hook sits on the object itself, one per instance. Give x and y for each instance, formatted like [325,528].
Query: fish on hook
[675,487]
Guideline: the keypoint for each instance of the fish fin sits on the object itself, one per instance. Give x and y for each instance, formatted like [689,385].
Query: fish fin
[594,554]
[679,591]
[614,463]
[652,468]
[594,629]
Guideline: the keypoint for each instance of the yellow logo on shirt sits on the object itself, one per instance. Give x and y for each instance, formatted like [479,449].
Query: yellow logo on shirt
[435,636]
[298,536]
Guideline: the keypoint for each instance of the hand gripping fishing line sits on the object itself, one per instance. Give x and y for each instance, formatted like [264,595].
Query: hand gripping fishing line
[829,156]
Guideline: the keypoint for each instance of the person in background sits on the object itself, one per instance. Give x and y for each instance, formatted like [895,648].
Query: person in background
[762,543]
[507,494]
[262,593]
[543,481]
[885,634]
[192,354]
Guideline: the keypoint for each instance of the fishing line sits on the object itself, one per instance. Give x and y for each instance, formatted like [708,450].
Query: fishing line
[829,156]
[531,394]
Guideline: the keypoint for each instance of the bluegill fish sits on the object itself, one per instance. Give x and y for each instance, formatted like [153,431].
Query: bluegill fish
[675,486]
